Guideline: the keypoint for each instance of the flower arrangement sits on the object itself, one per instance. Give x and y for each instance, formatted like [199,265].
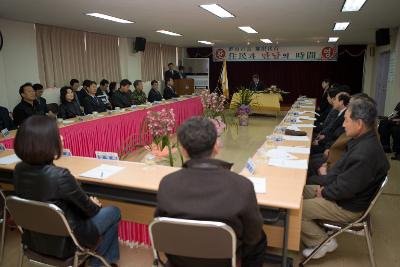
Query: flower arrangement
[161,125]
[245,97]
[213,104]
[219,125]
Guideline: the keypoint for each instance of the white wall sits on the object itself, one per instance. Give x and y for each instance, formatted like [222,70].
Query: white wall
[370,70]
[18,60]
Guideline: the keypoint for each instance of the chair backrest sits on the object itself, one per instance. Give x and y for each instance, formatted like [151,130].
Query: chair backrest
[191,238]
[377,194]
[39,217]
[53,107]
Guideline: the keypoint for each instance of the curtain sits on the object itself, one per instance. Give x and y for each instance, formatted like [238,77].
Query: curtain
[61,55]
[102,57]
[168,54]
[151,63]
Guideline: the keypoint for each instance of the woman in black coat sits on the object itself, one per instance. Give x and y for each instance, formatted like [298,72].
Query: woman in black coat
[37,144]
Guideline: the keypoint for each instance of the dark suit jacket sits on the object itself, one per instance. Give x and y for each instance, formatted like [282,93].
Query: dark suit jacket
[91,104]
[324,104]
[171,74]
[205,189]
[334,133]
[353,181]
[259,87]
[81,95]
[24,110]
[69,110]
[169,93]
[42,105]
[154,96]
[5,120]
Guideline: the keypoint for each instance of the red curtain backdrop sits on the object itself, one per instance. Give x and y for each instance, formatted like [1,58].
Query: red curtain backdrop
[295,77]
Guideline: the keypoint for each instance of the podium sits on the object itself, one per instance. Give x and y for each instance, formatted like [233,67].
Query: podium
[184,86]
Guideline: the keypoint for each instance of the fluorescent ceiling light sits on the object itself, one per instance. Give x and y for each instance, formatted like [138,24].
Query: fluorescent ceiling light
[248,29]
[341,26]
[217,10]
[353,5]
[107,17]
[267,41]
[333,39]
[169,33]
[205,42]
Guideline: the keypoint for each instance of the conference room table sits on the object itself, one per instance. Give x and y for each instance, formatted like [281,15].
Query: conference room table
[134,191]
[262,103]
[112,131]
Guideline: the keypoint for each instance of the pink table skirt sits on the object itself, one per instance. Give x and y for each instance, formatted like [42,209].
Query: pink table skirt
[109,134]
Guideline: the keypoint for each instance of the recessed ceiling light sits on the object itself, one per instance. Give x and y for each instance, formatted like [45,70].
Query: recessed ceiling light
[333,39]
[217,10]
[169,33]
[267,41]
[353,5]
[107,17]
[248,29]
[206,42]
[341,26]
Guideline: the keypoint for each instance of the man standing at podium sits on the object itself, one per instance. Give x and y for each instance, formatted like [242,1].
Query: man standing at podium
[171,73]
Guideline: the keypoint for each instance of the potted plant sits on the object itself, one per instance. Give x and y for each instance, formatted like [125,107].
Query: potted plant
[242,105]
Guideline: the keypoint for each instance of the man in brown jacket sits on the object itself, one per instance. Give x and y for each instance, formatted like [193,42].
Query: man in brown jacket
[205,189]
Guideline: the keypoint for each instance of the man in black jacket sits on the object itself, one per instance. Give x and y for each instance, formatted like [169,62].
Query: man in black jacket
[171,73]
[345,192]
[5,120]
[205,189]
[28,105]
[256,84]
[154,94]
[91,103]
[121,98]
[169,91]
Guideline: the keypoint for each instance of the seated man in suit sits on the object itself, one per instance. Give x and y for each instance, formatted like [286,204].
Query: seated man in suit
[139,97]
[28,105]
[84,91]
[171,73]
[42,104]
[102,93]
[205,189]
[121,97]
[169,91]
[331,116]
[154,94]
[5,120]
[256,85]
[385,128]
[74,83]
[323,142]
[91,103]
[345,192]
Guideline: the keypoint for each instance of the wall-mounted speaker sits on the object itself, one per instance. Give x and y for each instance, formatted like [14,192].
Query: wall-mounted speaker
[140,44]
[382,37]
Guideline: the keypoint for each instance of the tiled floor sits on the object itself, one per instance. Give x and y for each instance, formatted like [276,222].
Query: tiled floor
[352,250]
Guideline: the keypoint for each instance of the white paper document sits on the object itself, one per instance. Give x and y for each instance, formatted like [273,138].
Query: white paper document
[313,112]
[295,138]
[260,184]
[293,128]
[289,163]
[279,154]
[102,172]
[295,149]
[9,159]
[303,125]
[307,118]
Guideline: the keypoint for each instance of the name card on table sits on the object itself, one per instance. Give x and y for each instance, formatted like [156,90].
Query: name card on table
[259,184]
[289,163]
[250,166]
[304,125]
[5,132]
[107,155]
[2,147]
[67,153]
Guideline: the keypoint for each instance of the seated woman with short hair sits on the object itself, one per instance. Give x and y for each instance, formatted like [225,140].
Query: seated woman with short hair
[37,178]
[69,107]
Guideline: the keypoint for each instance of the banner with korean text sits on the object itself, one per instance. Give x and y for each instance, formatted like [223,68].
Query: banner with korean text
[275,53]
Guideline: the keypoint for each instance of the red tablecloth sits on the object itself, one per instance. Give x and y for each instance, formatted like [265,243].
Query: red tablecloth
[109,134]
